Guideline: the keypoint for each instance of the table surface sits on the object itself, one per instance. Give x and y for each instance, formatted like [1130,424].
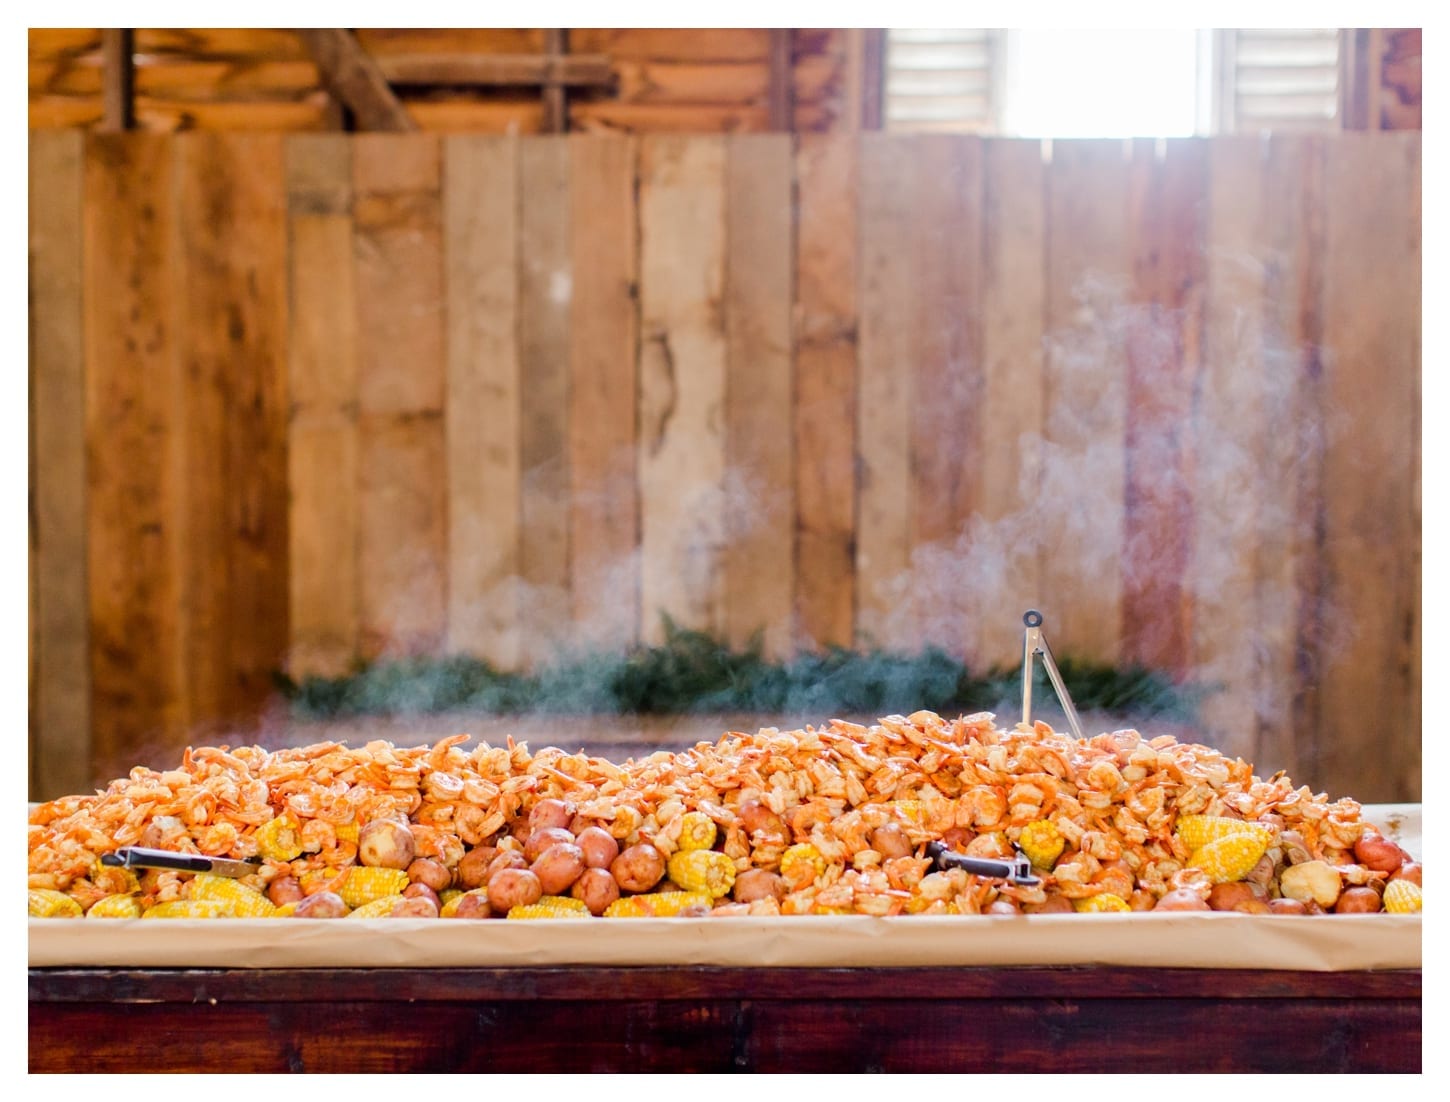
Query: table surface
[718,1019]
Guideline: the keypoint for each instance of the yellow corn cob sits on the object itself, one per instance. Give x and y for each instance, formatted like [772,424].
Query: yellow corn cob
[1230,857]
[186,908]
[551,906]
[280,839]
[801,863]
[364,883]
[116,906]
[239,900]
[347,832]
[1196,831]
[49,903]
[452,897]
[697,831]
[285,910]
[1106,901]
[703,870]
[1042,843]
[377,908]
[655,904]
[1403,897]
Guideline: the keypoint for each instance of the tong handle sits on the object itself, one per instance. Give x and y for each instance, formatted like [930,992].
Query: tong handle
[1035,643]
[1018,871]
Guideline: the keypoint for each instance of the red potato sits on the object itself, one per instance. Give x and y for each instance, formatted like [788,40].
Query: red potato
[416,906]
[1285,906]
[756,884]
[755,815]
[599,846]
[1410,870]
[473,904]
[596,889]
[1357,901]
[1227,897]
[475,867]
[435,874]
[551,813]
[1253,907]
[558,867]
[386,844]
[1375,851]
[890,841]
[542,839]
[321,905]
[638,868]
[505,859]
[419,890]
[1182,900]
[1054,904]
[285,889]
[510,888]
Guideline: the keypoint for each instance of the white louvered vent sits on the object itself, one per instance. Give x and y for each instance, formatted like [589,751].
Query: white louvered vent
[1278,79]
[941,80]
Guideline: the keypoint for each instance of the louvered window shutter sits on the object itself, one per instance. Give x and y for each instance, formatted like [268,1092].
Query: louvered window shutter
[1277,80]
[942,79]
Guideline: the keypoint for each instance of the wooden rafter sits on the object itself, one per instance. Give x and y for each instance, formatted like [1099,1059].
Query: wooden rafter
[782,73]
[556,103]
[118,90]
[498,70]
[352,75]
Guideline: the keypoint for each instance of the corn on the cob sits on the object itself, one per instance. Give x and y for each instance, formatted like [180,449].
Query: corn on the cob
[448,895]
[347,832]
[1403,897]
[655,904]
[800,864]
[239,900]
[280,839]
[453,897]
[697,831]
[1042,842]
[116,906]
[551,906]
[1196,831]
[49,903]
[1230,857]
[1103,902]
[186,908]
[365,883]
[377,908]
[285,910]
[703,870]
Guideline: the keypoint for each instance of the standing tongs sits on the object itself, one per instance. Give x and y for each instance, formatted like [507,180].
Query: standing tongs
[1035,643]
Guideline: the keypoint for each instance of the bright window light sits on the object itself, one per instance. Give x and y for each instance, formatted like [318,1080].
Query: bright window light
[1101,83]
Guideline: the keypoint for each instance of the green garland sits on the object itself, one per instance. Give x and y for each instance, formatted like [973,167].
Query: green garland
[691,672]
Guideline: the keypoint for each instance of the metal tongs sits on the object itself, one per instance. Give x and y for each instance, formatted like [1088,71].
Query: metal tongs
[1016,868]
[138,857]
[1034,643]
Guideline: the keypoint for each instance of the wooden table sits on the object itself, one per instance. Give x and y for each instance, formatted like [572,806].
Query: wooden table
[582,1019]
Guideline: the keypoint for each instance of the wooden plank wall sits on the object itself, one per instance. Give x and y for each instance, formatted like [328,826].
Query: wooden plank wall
[356,397]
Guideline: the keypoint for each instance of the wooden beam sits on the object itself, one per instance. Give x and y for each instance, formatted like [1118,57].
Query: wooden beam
[873,79]
[118,80]
[782,86]
[492,70]
[350,73]
[556,104]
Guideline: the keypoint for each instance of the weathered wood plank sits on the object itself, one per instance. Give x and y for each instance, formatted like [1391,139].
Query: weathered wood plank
[758,510]
[545,275]
[943,439]
[118,84]
[60,702]
[885,392]
[1164,347]
[603,391]
[134,551]
[322,442]
[1080,507]
[401,378]
[480,213]
[825,390]
[231,335]
[1229,426]
[1371,286]
[470,69]
[682,381]
[1004,541]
